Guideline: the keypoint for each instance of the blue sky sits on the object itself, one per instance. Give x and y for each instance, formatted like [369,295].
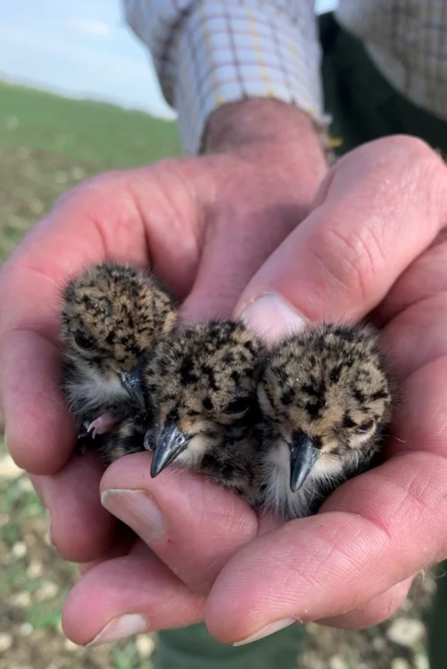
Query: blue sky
[80,48]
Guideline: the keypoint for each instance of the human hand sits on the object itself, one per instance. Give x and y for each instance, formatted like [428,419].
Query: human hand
[374,242]
[205,225]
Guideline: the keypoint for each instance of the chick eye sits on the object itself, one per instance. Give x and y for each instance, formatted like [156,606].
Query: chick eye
[238,406]
[365,427]
[83,341]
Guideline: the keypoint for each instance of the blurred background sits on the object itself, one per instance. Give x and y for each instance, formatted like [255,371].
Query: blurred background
[78,95]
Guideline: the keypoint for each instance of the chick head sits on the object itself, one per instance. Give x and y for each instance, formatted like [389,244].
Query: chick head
[111,316]
[325,396]
[202,386]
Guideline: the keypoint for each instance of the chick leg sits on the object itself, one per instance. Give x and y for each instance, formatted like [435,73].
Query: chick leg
[101,425]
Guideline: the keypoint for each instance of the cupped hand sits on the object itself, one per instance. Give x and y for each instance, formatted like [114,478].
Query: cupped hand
[374,243]
[205,225]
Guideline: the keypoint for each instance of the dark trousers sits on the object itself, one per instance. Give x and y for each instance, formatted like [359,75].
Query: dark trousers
[364,107]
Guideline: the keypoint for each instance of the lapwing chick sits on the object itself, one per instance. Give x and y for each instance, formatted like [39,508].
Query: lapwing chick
[202,382]
[326,400]
[112,316]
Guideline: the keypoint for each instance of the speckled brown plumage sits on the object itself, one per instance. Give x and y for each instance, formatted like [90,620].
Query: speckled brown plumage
[124,438]
[326,399]
[282,427]
[111,317]
[202,383]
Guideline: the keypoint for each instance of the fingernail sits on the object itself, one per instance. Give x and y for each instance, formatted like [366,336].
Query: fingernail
[267,631]
[136,509]
[119,628]
[272,317]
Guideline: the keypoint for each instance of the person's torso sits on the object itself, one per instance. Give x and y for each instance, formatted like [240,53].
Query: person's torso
[407,41]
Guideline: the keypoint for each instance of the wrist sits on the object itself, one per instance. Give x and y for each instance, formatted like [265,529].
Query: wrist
[266,125]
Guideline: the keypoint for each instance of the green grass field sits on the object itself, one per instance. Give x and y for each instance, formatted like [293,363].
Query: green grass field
[47,145]
[96,135]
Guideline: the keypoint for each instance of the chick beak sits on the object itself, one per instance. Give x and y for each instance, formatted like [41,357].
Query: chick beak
[303,456]
[132,383]
[171,442]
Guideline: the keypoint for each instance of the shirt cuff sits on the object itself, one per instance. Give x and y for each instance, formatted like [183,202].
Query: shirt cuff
[227,52]
[211,52]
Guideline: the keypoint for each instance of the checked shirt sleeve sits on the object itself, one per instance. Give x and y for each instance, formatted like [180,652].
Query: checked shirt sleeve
[211,52]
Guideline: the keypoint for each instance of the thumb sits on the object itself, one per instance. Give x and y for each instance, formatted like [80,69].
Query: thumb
[376,211]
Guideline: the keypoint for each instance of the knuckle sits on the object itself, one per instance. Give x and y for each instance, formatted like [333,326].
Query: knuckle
[419,159]
[397,165]
[92,187]
[424,161]
[349,258]
[168,165]
[407,144]
[403,145]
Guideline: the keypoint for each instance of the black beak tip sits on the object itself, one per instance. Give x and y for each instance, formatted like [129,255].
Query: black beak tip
[303,456]
[156,468]
[132,383]
[171,443]
[297,484]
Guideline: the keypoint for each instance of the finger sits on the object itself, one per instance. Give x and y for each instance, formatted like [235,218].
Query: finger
[380,608]
[379,209]
[416,345]
[79,527]
[38,429]
[376,530]
[423,281]
[191,523]
[249,214]
[35,417]
[126,596]
[100,220]
[123,543]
